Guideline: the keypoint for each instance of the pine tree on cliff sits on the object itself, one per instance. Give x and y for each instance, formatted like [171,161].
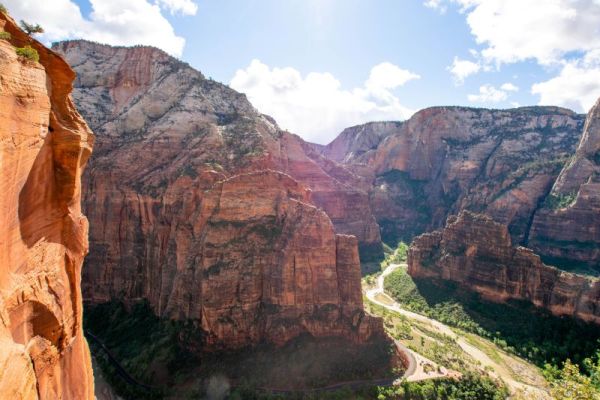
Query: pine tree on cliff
[31,29]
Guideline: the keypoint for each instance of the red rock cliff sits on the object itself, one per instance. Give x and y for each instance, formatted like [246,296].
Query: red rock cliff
[567,228]
[201,205]
[476,252]
[44,145]
[446,159]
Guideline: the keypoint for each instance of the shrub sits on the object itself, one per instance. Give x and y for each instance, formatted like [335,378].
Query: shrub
[29,53]
[470,387]
[30,29]
[558,201]
[5,35]
[570,383]
[3,9]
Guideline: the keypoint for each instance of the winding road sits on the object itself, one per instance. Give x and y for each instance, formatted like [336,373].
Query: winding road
[496,370]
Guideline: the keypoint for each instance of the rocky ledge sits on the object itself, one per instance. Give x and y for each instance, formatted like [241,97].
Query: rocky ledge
[476,253]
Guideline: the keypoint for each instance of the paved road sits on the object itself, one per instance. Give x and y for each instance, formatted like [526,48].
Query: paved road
[497,370]
[416,366]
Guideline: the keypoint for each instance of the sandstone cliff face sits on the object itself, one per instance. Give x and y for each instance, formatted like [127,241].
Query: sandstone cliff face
[567,228]
[44,145]
[202,206]
[142,95]
[445,159]
[359,141]
[476,252]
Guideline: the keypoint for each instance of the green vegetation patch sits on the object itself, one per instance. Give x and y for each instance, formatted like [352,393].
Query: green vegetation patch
[558,201]
[569,382]
[5,36]
[469,387]
[517,327]
[149,348]
[28,53]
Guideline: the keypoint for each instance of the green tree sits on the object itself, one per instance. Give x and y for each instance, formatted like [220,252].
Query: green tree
[570,384]
[30,29]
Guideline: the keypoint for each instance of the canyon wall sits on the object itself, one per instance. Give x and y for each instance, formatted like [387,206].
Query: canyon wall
[476,253]
[566,230]
[502,163]
[446,159]
[356,142]
[533,171]
[44,145]
[205,208]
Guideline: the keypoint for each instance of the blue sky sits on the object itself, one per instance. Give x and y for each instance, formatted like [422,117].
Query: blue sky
[318,66]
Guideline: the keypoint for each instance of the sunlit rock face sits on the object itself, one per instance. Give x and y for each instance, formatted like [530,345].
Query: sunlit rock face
[476,253]
[567,228]
[208,210]
[44,145]
[502,163]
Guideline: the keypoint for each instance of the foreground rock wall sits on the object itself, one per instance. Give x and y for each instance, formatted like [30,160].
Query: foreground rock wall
[44,145]
[476,253]
[202,206]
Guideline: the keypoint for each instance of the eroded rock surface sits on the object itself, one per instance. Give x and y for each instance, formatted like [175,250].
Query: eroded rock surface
[44,145]
[566,229]
[476,253]
[357,142]
[445,159]
[207,209]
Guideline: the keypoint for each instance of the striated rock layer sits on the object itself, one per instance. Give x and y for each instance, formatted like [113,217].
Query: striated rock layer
[208,210]
[44,145]
[442,160]
[476,252]
[143,95]
[566,230]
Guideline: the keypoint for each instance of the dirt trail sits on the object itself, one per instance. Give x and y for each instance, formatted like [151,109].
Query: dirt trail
[497,370]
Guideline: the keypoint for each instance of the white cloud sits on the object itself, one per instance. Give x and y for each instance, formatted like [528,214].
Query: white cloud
[488,94]
[116,22]
[517,30]
[436,5]
[557,34]
[185,7]
[509,87]
[315,106]
[388,76]
[461,69]
[577,86]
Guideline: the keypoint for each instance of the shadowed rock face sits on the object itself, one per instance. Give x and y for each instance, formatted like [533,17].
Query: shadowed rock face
[44,145]
[476,252]
[202,206]
[566,229]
